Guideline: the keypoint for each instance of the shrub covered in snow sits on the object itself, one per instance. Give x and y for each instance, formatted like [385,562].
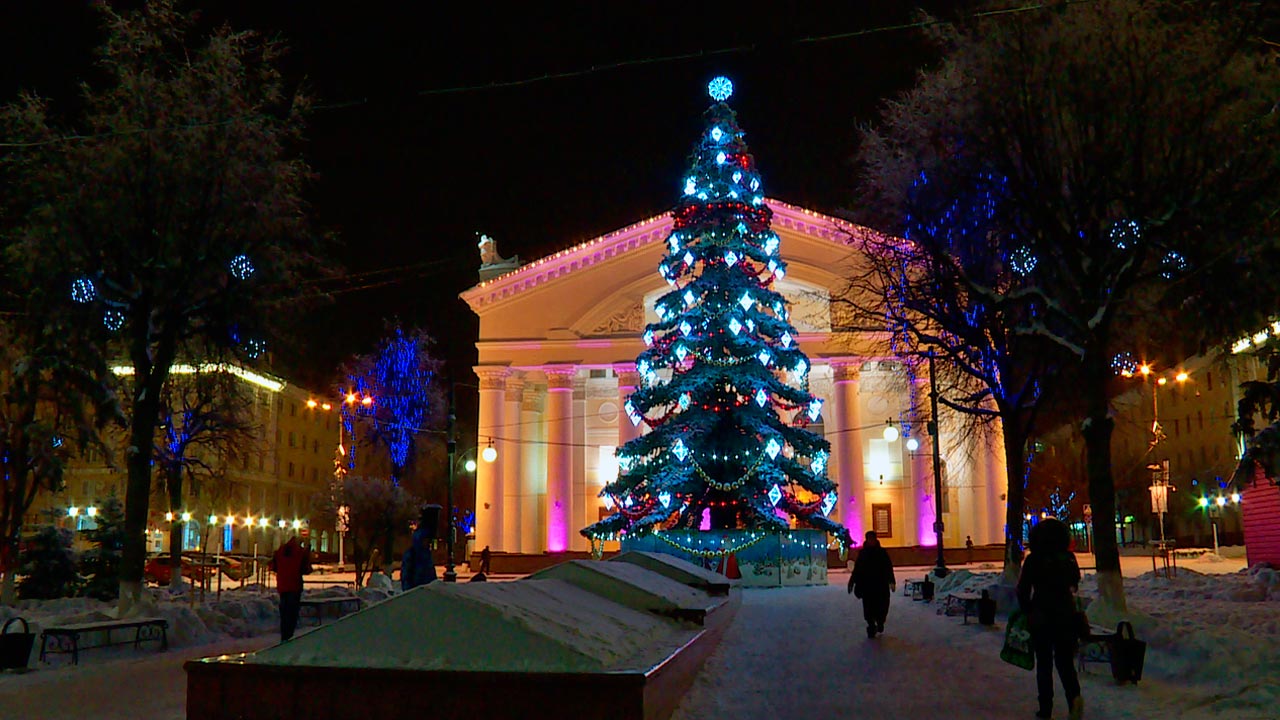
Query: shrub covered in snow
[48,565]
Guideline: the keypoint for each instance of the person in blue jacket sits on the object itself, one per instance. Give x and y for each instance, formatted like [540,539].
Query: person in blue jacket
[417,567]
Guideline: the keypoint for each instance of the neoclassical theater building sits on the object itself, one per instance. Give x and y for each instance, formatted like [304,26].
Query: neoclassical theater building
[557,346]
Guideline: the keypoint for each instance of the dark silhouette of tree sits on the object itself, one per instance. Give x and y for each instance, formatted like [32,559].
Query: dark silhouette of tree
[1139,141]
[170,207]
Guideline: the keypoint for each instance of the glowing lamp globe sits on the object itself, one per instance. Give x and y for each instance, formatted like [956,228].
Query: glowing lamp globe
[891,434]
[912,444]
[470,465]
[489,454]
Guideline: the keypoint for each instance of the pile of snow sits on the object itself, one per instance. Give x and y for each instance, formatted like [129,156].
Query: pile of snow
[1199,627]
[240,613]
[525,626]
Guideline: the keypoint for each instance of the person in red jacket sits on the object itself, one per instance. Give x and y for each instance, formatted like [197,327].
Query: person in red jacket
[290,562]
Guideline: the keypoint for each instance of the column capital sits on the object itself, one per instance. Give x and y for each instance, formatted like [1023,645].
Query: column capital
[845,369]
[515,388]
[492,377]
[560,377]
[627,375]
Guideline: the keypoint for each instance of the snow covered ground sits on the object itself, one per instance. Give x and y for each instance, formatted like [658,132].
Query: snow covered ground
[1214,634]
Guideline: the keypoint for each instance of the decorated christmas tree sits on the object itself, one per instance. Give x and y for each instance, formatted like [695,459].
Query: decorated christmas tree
[724,386]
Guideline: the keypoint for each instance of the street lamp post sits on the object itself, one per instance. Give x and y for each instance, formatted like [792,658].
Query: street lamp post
[450,574]
[941,570]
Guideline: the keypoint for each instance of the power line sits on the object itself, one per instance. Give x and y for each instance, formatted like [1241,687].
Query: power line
[592,70]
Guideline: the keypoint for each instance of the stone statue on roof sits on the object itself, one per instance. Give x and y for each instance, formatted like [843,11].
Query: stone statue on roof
[491,263]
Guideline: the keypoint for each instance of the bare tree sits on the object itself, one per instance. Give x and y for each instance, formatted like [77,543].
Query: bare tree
[1138,140]
[376,509]
[206,419]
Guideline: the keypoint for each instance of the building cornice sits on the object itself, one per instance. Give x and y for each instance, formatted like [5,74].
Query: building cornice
[641,234]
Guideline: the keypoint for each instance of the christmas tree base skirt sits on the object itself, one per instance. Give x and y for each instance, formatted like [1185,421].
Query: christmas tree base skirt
[763,559]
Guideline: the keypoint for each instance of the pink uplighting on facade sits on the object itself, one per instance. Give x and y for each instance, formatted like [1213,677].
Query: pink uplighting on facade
[853,521]
[927,535]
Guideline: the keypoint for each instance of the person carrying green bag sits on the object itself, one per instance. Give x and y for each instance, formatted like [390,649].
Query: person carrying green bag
[1046,594]
[1017,648]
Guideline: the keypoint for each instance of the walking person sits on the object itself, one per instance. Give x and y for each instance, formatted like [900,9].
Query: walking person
[485,556]
[290,562]
[872,581]
[1046,594]
[417,567]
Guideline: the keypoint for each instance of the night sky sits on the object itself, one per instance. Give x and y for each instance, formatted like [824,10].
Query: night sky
[410,172]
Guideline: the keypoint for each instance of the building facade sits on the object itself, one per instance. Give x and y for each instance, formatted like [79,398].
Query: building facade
[557,346]
[268,486]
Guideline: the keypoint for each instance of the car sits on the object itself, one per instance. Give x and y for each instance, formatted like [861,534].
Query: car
[157,569]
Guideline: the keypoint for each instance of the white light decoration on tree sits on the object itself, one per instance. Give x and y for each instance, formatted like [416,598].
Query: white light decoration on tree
[679,450]
[775,495]
[815,409]
[764,357]
[772,448]
[648,338]
[717,134]
[241,267]
[83,290]
[113,319]
[681,353]
[746,302]
[737,177]
[771,245]
[755,185]
[735,327]
[720,88]
[720,158]
[688,259]
[674,242]
[664,497]
[1125,234]
[690,186]
[819,462]
[690,298]
[762,397]
[1172,264]
[684,401]
[1022,261]
[786,339]
[635,416]
[828,503]
[730,258]
[802,369]
[685,328]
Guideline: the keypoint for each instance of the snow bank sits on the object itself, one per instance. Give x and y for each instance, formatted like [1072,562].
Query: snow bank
[525,626]
[240,613]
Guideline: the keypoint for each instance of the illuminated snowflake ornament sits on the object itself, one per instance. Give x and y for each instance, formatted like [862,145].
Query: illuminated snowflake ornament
[679,450]
[720,88]
[819,462]
[83,290]
[772,448]
[690,298]
[735,327]
[786,339]
[764,357]
[685,328]
[716,134]
[241,267]
[681,353]
[775,495]
[762,397]
[828,503]
[730,258]
[746,302]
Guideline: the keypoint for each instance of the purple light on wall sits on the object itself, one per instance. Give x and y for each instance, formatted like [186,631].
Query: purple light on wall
[557,528]
[853,521]
[706,519]
[927,515]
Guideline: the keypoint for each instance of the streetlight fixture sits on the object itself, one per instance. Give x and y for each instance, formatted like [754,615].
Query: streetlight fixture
[890,432]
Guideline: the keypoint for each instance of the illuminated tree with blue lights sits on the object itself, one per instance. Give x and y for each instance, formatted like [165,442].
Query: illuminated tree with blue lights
[401,378]
[724,384]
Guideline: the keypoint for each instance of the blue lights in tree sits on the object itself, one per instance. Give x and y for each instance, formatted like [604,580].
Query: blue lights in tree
[1022,260]
[1125,234]
[1172,264]
[241,267]
[254,348]
[1124,364]
[83,290]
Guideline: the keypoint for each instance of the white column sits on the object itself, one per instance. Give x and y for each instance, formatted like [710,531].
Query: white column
[975,525]
[997,486]
[489,489]
[579,494]
[510,451]
[559,456]
[533,469]
[846,446]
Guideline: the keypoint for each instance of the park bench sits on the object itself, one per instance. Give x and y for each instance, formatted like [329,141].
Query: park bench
[66,638]
[339,606]
[958,603]
[913,588]
[1095,647]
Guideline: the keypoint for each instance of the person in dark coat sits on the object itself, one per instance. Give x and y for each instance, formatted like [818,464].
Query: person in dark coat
[1046,593]
[872,580]
[290,562]
[485,556]
[417,567]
